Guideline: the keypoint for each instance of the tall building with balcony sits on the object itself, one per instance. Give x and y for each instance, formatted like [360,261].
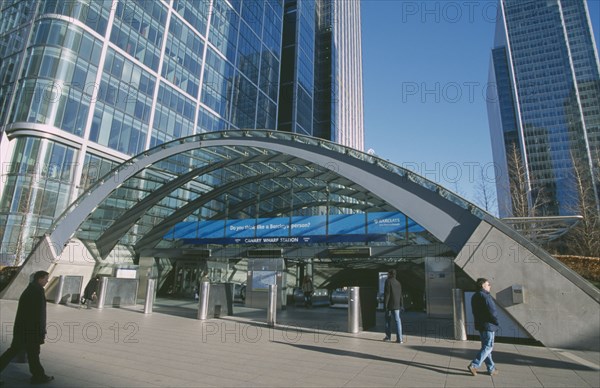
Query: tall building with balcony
[85,85]
[545,113]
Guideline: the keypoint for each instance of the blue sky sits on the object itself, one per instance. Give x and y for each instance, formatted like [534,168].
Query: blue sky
[425,76]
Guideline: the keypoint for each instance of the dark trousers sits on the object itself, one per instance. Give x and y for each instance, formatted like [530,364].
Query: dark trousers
[33,356]
[308,298]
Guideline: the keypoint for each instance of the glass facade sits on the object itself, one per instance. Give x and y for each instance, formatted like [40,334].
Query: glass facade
[346,71]
[296,90]
[547,103]
[321,79]
[245,185]
[37,188]
[85,85]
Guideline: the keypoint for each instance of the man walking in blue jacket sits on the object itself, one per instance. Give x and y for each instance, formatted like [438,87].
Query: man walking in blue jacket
[486,322]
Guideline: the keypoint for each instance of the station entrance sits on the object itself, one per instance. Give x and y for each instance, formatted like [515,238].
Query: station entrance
[421,278]
[427,281]
[223,185]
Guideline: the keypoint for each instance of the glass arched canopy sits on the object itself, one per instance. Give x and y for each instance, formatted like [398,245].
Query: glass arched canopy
[258,174]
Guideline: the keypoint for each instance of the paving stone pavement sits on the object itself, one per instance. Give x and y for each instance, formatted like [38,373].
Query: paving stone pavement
[123,347]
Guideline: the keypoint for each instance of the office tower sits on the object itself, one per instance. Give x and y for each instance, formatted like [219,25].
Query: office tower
[298,67]
[545,113]
[346,73]
[321,74]
[85,85]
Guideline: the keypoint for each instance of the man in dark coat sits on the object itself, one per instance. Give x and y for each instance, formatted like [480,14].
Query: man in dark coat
[392,303]
[486,322]
[29,329]
[307,290]
[90,291]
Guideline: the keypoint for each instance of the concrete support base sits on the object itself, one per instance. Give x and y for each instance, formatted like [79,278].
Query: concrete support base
[552,303]
[75,259]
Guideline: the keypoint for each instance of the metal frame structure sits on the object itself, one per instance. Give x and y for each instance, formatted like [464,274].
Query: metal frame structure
[252,174]
[287,172]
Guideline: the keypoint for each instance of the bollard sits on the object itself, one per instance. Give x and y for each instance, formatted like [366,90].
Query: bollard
[354,310]
[458,303]
[272,310]
[59,289]
[149,303]
[203,300]
[102,292]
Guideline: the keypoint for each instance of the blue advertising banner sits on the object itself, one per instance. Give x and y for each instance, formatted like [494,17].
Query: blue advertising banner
[297,229]
[240,228]
[309,225]
[211,229]
[273,227]
[388,222]
[347,224]
[184,230]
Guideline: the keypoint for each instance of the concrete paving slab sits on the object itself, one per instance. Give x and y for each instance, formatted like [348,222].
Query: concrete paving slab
[116,347]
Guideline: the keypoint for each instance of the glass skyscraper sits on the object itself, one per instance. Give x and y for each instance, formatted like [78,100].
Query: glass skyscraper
[321,75]
[85,85]
[545,115]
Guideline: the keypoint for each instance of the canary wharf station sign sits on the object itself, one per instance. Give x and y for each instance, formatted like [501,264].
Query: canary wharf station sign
[376,226]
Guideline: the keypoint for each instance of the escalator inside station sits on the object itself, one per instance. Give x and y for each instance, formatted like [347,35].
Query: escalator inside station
[426,285]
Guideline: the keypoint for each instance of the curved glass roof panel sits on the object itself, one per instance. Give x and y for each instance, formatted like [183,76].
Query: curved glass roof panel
[235,182]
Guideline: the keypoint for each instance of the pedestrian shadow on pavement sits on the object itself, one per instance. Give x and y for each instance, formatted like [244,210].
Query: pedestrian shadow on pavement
[507,358]
[375,357]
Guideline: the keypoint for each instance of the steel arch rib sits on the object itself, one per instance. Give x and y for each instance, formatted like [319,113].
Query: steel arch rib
[447,221]
[109,238]
[159,230]
[458,224]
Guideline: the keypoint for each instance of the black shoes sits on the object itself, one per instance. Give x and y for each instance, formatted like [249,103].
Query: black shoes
[42,380]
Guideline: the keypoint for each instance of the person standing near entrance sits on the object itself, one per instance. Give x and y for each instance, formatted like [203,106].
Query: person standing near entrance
[392,304]
[307,289]
[90,293]
[29,331]
[486,322]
